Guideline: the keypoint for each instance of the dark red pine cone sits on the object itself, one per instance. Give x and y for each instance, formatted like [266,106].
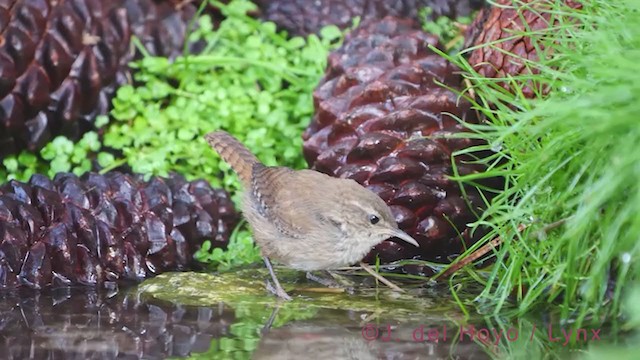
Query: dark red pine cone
[501,50]
[98,229]
[61,61]
[303,17]
[382,120]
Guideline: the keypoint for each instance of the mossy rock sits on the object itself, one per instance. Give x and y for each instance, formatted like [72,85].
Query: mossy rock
[247,288]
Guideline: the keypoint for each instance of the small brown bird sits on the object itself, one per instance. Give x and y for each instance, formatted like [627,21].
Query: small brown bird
[305,219]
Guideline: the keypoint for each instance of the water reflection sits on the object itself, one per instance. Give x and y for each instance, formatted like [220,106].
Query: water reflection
[206,316]
[347,342]
[89,324]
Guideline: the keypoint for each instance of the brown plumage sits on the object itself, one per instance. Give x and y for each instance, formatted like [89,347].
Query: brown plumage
[234,154]
[305,219]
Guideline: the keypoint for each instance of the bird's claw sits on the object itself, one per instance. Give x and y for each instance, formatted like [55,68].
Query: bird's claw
[330,282]
[277,291]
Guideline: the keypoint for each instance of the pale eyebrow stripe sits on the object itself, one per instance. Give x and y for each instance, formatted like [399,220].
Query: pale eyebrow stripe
[358,205]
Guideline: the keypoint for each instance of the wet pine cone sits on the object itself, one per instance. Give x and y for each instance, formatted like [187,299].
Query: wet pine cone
[501,51]
[381,120]
[104,228]
[303,17]
[61,61]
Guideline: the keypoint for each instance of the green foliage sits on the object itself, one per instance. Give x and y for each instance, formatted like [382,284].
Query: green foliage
[570,159]
[249,80]
[59,155]
[448,30]
[241,250]
[62,153]
[21,167]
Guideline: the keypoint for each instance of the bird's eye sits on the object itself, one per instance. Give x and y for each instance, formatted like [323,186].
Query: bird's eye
[373,219]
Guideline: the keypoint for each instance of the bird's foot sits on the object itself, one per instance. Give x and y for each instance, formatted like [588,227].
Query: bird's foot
[277,291]
[330,282]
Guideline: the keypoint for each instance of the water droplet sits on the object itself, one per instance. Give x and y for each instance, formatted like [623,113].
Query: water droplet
[626,258]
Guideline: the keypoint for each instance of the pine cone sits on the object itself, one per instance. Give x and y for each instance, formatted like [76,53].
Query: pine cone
[61,61]
[89,324]
[505,53]
[98,229]
[380,120]
[303,17]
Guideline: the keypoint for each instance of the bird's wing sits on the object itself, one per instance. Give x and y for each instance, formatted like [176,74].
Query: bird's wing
[285,199]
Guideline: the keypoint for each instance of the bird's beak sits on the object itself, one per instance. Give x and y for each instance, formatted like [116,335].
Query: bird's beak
[403,236]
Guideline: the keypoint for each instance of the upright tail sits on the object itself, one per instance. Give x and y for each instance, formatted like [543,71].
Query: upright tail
[234,153]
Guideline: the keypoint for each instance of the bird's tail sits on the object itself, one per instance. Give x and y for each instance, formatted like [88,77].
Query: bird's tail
[233,153]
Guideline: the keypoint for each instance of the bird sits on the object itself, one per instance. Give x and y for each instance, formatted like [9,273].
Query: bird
[304,219]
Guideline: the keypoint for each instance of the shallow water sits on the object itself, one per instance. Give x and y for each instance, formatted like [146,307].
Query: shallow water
[226,317]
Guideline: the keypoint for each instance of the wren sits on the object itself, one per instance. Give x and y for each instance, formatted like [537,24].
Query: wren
[304,219]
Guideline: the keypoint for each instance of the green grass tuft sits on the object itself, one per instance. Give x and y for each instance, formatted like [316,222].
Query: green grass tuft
[570,157]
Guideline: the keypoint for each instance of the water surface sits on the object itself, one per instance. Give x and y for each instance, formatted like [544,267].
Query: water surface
[230,316]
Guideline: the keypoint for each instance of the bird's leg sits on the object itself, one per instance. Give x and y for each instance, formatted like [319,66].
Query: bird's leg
[277,290]
[272,318]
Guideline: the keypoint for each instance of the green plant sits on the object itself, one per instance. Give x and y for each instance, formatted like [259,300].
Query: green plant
[21,167]
[241,250]
[570,160]
[446,28]
[249,80]
[59,155]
